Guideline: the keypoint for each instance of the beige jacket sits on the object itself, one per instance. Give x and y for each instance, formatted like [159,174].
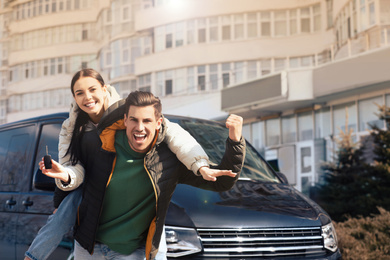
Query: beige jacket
[179,141]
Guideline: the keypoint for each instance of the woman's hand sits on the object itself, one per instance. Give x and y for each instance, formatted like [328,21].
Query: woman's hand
[56,171]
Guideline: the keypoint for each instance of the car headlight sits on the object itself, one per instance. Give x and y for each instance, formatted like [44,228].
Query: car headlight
[182,241]
[330,237]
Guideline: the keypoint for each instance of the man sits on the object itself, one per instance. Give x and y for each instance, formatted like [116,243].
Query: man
[130,178]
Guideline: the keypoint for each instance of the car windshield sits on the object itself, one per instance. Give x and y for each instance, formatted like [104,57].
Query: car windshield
[212,137]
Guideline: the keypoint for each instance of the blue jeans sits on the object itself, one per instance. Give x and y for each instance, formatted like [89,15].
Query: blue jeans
[102,252]
[58,224]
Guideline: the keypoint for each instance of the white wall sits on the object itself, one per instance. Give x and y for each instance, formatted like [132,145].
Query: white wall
[205,106]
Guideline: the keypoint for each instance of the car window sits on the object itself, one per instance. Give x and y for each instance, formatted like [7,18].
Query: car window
[212,138]
[15,156]
[49,137]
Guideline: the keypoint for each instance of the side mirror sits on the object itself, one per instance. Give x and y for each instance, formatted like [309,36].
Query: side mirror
[43,182]
[282,177]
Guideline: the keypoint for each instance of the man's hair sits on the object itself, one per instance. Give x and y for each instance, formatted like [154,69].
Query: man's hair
[143,99]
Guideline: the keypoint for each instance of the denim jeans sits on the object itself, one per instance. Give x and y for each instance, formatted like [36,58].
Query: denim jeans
[57,225]
[60,223]
[102,252]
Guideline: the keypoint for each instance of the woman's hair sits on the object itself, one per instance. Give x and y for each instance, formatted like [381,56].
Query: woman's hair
[143,99]
[82,117]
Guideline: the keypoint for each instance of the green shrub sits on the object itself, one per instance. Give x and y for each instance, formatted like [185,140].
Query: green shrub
[365,238]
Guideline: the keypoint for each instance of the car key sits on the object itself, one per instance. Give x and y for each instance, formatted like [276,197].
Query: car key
[47,159]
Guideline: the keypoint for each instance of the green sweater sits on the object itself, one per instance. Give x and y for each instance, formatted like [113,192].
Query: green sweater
[129,202]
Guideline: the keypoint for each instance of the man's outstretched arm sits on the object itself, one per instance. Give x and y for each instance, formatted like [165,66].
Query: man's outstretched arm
[234,124]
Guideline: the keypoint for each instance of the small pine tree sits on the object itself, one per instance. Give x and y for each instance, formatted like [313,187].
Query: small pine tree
[337,195]
[352,186]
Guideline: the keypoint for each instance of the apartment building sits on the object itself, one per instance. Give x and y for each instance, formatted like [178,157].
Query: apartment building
[292,68]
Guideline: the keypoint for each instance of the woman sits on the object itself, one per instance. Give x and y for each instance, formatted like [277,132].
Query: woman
[91,99]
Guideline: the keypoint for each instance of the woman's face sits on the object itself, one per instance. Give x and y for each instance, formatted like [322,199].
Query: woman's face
[90,96]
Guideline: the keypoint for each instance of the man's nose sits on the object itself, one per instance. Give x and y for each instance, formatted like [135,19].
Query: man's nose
[140,126]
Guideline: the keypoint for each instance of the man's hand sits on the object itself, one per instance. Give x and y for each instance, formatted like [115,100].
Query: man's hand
[212,174]
[57,171]
[234,123]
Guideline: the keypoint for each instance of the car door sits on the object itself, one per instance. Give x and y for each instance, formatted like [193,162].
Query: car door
[37,202]
[15,157]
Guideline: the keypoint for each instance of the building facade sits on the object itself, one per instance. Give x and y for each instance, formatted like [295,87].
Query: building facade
[292,68]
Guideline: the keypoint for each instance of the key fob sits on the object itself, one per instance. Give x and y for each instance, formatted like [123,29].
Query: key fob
[47,161]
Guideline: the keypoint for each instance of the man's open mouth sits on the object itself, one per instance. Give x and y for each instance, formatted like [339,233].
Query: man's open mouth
[139,137]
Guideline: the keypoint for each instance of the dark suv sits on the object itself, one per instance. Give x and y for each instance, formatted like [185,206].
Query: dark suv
[260,217]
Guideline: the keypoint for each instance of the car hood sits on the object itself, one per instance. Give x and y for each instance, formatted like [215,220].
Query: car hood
[248,204]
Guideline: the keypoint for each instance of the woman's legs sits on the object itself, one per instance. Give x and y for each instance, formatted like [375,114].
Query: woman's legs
[58,224]
[102,252]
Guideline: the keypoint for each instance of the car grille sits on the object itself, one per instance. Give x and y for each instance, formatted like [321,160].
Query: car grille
[276,242]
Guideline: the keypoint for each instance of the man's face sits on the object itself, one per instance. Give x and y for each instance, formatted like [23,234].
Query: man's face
[141,125]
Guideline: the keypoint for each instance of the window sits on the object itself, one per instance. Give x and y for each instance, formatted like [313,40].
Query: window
[168,36]
[273,131]
[213,25]
[305,20]
[265,67]
[329,13]
[344,116]
[238,26]
[49,134]
[317,17]
[179,35]
[160,84]
[180,86]
[84,65]
[226,28]
[252,70]
[84,34]
[125,13]
[294,62]
[201,78]
[15,156]
[258,135]
[307,61]
[52,66]
[371,18]
[280,64]
[213,76]
[265,24]
[108,58]
[305,126]
[289,126]
[144,82]
[190,32]
[54,6]
[363,15]
[293,22]
[201,30]
[168,84]
[368,109]
[280,23]
[191,79]
[252,25]
[225,74]
[238,72]
[160,41]
[168,87]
